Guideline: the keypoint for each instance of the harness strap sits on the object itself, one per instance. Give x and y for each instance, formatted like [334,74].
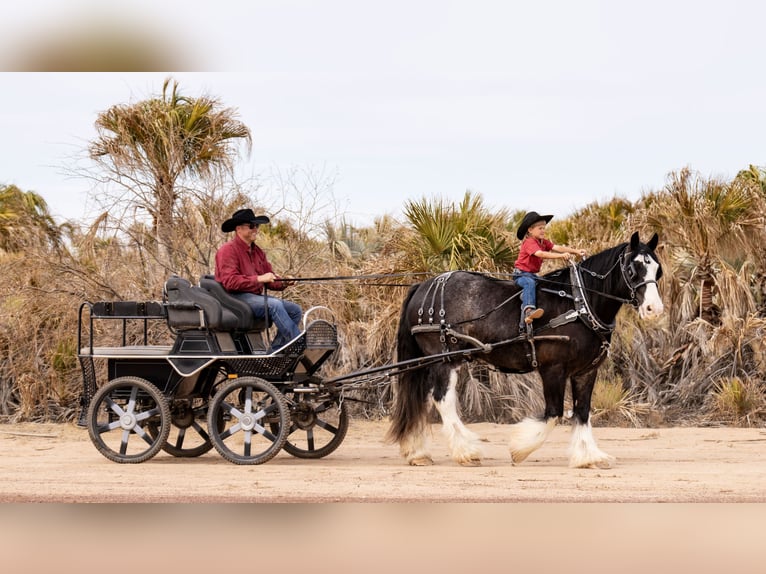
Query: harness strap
[581,303]
[455,336]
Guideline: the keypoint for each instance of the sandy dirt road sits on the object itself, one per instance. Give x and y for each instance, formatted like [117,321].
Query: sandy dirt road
[58,463]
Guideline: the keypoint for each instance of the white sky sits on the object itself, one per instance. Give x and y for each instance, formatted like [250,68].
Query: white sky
[545,105]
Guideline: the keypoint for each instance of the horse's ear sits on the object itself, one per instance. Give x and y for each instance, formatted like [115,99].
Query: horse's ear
[653,242]
[634,241]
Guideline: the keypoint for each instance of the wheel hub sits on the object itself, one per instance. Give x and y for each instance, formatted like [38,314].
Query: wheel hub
[182,415]
[128,421]
[304,416]
[247,422]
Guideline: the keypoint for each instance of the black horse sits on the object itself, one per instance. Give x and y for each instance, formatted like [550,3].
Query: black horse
[479,314]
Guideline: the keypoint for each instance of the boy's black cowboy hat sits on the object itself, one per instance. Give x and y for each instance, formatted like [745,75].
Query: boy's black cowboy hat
[529,220]
[242,216]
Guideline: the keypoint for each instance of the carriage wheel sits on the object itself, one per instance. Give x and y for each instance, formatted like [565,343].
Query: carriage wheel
[318,424]
[120,416]
[188,436]
[248,406]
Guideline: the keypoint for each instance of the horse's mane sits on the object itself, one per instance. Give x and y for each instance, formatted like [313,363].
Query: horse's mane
[603,261]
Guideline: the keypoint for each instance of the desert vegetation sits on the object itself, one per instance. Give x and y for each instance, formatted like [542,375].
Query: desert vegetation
[162,174]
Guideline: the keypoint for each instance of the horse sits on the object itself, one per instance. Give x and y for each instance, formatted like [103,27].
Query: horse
[464,315]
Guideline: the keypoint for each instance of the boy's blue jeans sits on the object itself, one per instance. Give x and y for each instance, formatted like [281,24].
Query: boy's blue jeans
[528,283]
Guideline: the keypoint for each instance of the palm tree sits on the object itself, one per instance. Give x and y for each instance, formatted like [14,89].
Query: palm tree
[466,236]
[148,148]
[711,226]
[25,219]
[756,175]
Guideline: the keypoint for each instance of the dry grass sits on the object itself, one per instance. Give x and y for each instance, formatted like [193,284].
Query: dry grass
[737,401]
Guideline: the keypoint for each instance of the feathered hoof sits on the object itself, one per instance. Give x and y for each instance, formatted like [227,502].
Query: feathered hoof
[470,462]
[421,461]
[519,456]
[604,462]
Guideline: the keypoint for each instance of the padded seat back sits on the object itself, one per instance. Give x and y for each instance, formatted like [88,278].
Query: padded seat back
[190,307]
[246,321]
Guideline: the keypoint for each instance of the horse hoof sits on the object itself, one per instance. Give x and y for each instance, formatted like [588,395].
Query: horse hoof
[517,457]
[421,461]
[470,462]
[602,463]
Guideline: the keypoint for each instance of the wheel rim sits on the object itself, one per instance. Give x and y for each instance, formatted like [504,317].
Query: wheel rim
[318,425]
[121,415]
[249,407]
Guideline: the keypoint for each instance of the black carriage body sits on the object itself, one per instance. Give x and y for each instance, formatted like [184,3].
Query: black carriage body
[214,343]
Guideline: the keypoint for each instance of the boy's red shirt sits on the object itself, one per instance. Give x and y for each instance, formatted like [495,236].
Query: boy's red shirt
[527,261]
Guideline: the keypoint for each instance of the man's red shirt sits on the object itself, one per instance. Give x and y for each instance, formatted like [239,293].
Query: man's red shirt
[527,261]
[237,266]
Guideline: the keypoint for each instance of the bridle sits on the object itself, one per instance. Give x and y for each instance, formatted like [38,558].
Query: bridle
[629,274]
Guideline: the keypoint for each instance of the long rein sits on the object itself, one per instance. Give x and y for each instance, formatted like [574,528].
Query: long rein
[578,269]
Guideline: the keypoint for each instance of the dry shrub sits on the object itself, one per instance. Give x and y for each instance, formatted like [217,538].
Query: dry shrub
[738,401]
[612,404]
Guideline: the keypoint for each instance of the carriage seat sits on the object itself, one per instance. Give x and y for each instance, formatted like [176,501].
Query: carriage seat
[191,307]
[246,321]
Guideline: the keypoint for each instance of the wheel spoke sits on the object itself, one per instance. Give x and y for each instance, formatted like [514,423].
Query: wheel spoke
[232,430]
[200,431]
[248,400]
[132,402]
[248,441]
[232,410]
[327,426]
[310,438]
[148,414]
[124,442]
[108,427]
[114,407]
[180,438]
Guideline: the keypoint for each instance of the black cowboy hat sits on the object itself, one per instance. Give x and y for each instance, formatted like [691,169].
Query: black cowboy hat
[529,220]
[242,216]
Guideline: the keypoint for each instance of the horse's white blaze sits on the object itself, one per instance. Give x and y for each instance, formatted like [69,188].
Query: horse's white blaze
[583,452]
[527,436]
[463,443]
[652,305]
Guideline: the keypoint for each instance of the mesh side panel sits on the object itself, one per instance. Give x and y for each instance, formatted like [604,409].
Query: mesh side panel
[268,367]
[321,333]
[88,388]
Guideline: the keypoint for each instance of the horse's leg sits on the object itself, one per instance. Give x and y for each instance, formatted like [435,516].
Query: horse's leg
[463,443]
[414,446]
[419,388]
[583,452]
[529,434]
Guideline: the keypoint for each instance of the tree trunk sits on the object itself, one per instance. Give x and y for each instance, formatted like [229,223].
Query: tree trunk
[164,224]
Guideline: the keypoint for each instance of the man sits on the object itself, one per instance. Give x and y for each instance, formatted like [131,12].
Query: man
[243,270]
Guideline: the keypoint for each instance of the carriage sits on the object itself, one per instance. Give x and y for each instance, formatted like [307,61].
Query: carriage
[220,384]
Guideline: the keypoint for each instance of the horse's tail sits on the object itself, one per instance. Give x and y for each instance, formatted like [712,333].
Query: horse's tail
[408,413]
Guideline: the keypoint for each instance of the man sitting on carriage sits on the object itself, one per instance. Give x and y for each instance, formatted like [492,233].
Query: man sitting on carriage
[243,270]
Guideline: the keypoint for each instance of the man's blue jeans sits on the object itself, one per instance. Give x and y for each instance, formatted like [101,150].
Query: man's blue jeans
[285,314]
[528,283]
